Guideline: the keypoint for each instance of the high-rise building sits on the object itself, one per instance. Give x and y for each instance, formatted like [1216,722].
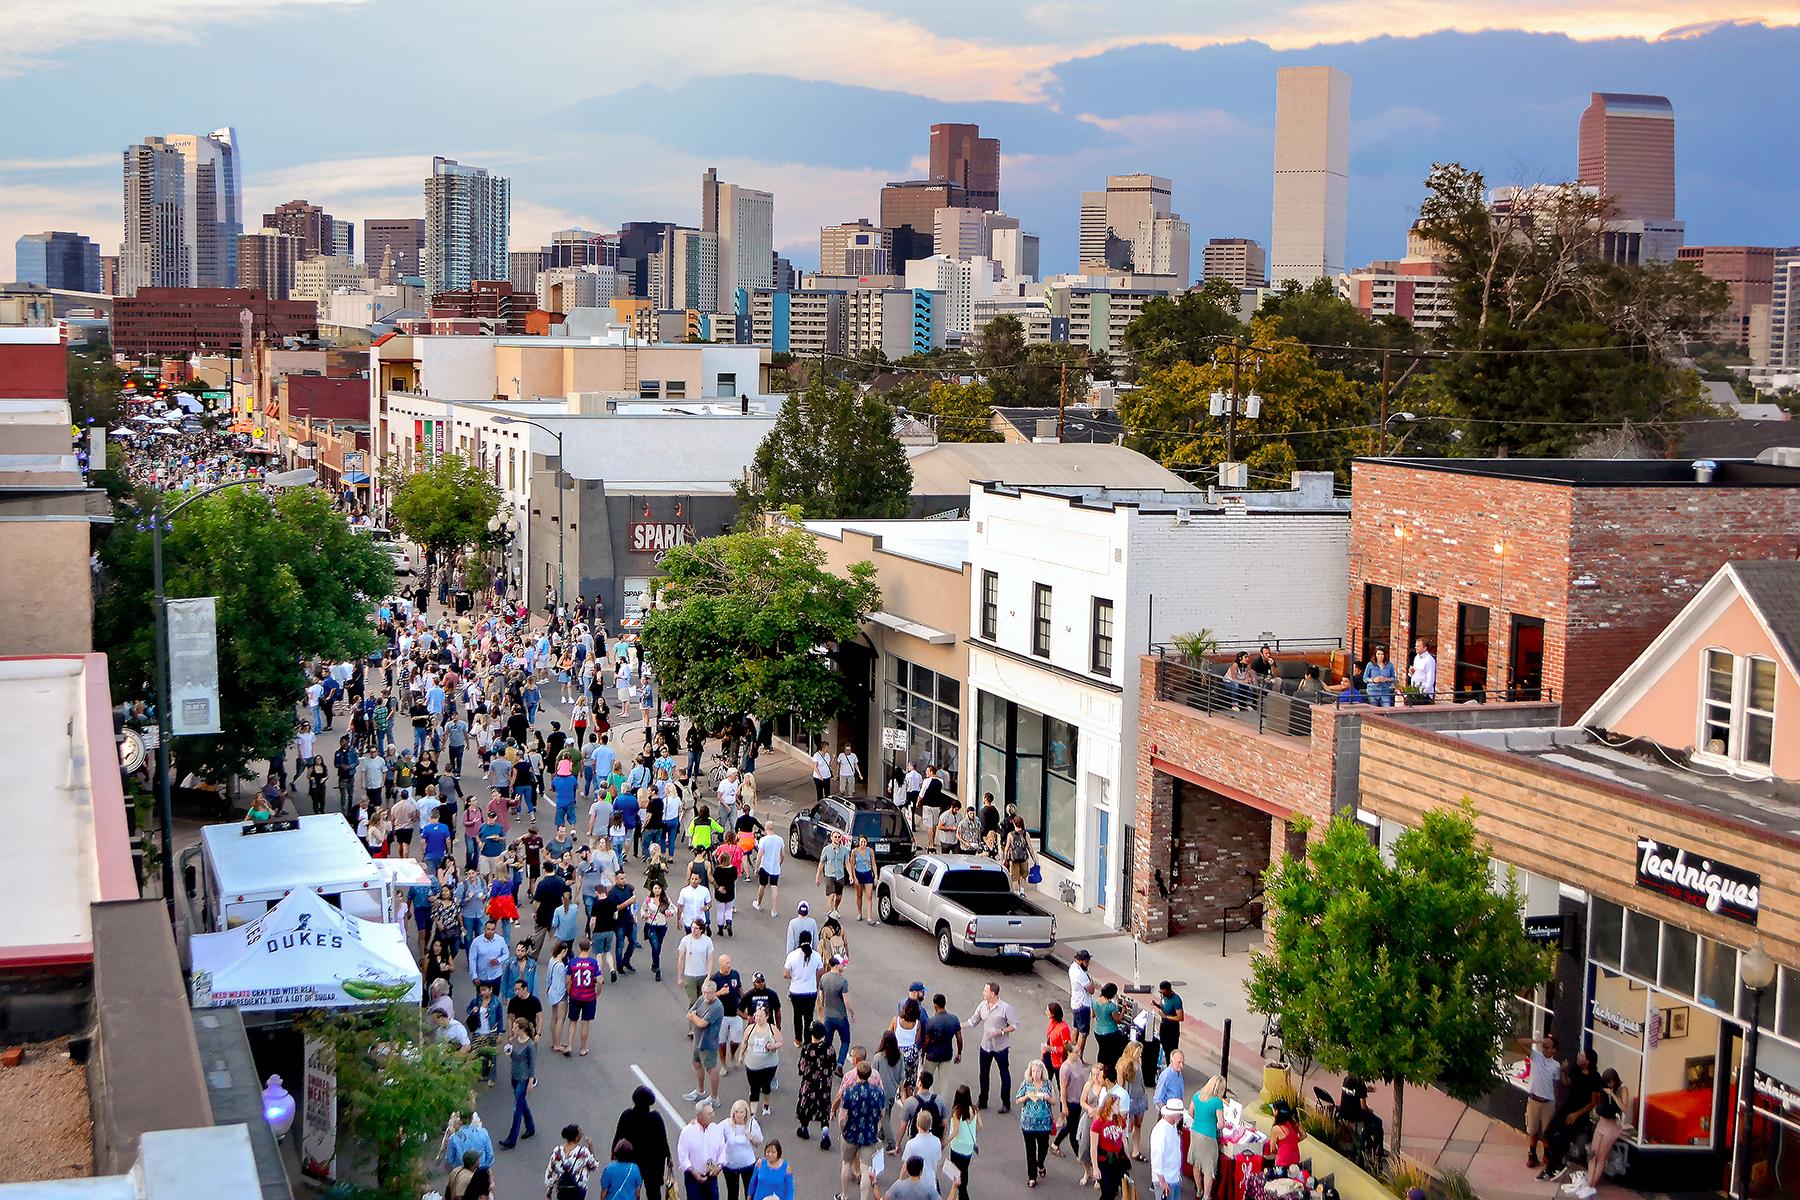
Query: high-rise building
[581,248]
[1131,228]
[211,161]
[55,259]
[686,274]
[1312,174]
[523,268]
[1784,310]
[638,240]
[909,213]
[1748,273]
[563,289]
[1626,150]
[468,219]
[319,275]
[962,281]
[743,219]
[266,261]
[393,242]
[308,224]
[1015,253]
[855,248]
[343,239]
[960,155]
[959,232]
[109,274]
[1239,261]
[158,246]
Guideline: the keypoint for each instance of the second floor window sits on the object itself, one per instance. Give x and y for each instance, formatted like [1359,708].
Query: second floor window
[1040,619]
[1102,637]
[1737,708]
[990,605]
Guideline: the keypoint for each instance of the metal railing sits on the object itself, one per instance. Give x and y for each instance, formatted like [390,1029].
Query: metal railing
[1312,645]
[1279,710]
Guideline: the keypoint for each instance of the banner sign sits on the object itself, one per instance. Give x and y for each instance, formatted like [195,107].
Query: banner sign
[193,665]
[634,599]
[654,537]
[318,1130]
[1693,879]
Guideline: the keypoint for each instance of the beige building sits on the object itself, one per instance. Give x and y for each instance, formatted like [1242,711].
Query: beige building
[316,278]
[1238,261]
[1131,226]
[1312,174]
[856,248]
[959,233]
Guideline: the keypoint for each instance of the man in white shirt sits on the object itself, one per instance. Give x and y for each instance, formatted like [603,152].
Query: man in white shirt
[925,1145]
[1424,668]
[694,954]
[1165,1152]
[449,1029]
[821,772]
[769,849]
[1081,1000]
[998,1021]
[700,1152]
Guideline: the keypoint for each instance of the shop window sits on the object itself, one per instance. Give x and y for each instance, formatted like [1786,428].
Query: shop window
[1616,1024]
[1765,1016]
[1681,1074]
[1526,680]
[1606,929]
[1028,759]
[915,704]
[1718,975]
[1680,953]
[1641,935]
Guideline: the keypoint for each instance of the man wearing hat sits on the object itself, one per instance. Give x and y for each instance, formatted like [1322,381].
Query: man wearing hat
[802,926]
[1081,999]
[1165,1152]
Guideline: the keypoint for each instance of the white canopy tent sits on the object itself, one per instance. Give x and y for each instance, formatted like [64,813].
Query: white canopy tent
[303,953]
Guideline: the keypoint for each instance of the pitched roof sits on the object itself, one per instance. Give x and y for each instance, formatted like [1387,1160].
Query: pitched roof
[1772,587]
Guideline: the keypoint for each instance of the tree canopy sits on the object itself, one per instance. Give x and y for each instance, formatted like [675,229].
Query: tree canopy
[1184,328]
[743,623]
[293,583]
[961,412]
[1401,971]
[446,506]
[832,453]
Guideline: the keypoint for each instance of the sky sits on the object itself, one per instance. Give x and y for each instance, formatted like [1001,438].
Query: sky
[602,112]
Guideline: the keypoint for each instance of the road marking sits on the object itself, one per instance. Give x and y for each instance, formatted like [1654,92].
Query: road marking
[660,1098]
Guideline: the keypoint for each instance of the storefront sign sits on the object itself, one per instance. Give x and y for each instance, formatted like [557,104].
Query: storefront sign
[1551,930]
[318,1129]
[1716,887]
[653,537]
[1617,1021]
[634,598]
[1777,1096]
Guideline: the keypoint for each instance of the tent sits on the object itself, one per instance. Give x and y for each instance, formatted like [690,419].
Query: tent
[303,953]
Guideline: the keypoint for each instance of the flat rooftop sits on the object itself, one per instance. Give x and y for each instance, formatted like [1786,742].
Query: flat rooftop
[940,543]
[1608,472]
[1773,805]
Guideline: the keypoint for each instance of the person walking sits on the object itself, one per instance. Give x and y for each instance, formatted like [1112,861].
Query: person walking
[1203,1135]
[707,1016]
[621,1179]
[998,1021]
[1106,1145]
[802,970]
[565,1176]
[862,1104]
[773,1178]
[1038,1111]
[816,1074]
[760,1055]
[862,869]
[521,1051]
[960,1141]
[700,1153]
[771,848]
[642,1127]
[835,1009]
[1165,1153]
[743,1146]
[584,995]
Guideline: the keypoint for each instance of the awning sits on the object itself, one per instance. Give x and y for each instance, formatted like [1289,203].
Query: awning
[925,633]
[264,450]
[357,478]
[303,953]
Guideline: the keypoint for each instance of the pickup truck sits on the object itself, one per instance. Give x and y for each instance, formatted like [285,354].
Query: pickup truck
[966,902]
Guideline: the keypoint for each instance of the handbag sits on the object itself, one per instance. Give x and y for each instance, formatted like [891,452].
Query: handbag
[1035,875]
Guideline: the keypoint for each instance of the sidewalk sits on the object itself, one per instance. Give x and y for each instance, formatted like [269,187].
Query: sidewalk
[1441,1133]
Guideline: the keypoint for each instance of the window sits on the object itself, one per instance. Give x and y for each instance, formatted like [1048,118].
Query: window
[927,707]
[1378,619]
[990,605]
[1040,619]
[649,389]
[1471,650]
[1737,708]
[1527,671]
[1103,637]
[676,390]
[728,383]
[1425,619]
[1029,759]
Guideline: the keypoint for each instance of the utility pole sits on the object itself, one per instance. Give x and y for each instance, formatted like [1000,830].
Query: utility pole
[1062,400]
[1237,368]
[1381,437]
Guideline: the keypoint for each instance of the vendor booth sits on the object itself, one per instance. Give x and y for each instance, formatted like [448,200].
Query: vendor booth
[303,953]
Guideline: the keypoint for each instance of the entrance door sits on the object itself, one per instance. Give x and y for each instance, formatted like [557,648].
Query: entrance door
[1102,859]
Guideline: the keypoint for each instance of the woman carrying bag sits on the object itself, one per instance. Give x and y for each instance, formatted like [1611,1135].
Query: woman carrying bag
[1016,851]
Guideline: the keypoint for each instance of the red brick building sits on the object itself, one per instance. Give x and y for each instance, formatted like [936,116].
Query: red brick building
[489,300]
[184,320]
[34,363]
[1548,573]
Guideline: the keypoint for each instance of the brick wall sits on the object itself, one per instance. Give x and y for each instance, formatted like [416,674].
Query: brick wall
[1220,852]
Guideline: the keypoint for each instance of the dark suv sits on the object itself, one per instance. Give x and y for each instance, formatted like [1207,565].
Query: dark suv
[879,820]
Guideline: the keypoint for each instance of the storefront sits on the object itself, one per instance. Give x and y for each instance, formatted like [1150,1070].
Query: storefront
[1029,759]
[925,707]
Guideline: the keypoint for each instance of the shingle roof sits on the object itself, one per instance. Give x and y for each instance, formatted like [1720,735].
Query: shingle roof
[1773,587]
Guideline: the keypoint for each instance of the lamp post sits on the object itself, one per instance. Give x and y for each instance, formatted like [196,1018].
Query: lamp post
[165,802]
[1756,970]
[504,529]
[561,525]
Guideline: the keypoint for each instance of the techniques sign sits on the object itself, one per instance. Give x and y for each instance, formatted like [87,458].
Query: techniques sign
[1694,879]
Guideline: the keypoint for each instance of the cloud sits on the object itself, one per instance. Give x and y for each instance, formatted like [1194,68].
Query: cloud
[74,162]
[31,32]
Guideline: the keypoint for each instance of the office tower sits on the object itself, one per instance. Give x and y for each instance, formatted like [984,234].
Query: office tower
[686,273]
[308,224]
[468,218]
[909,212]
[211,161]
[1626,150]
[1238,261]
[158,245]
[1131,227]
[523,268]
[266,261]
[1312,173]
[393,242]
[564,289]
[959,232]
[960,155]
[783,273]
[1784,310]
[342,239]
[962,281]
[55,259]
[1748,273]
[109,274]
[855,248]
[638,240]
[1015,254]
[744,221]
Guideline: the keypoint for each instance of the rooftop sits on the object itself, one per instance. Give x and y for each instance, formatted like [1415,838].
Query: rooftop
[940,543]
[1608,472]
[1080,423]
[1311,492]
[1771,805]
[951,468]
[1773,587]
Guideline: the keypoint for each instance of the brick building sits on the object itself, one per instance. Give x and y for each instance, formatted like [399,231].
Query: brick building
[184,320]
[488,300]
[1548,573]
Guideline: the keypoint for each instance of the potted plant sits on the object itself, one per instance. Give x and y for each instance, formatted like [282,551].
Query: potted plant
[1196,647]
[1413,696]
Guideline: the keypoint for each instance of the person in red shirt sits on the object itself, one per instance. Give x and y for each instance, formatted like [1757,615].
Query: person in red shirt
[1287,1138]
[1057,1037]
[1109,1160]
[584,992]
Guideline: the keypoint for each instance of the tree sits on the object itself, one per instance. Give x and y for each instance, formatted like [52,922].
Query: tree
[1184,328]
[743,623]
[963,412]
[1320,318]
[832,454]
[447,506]
[1402,971]
[397,1086]
[94,383]
[293,582]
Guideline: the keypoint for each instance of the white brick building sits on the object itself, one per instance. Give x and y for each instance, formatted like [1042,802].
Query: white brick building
[1070,586]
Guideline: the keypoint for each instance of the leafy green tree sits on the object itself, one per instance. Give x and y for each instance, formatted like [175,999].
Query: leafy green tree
[397,1086]
[94,383]
[293,583]
[832,454]
[1402,971]
[740,622]
[1320,318]
[446,506]
[963,411]
[1184,328]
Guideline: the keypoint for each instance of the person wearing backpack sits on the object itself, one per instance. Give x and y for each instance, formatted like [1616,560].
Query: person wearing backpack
[565,1176]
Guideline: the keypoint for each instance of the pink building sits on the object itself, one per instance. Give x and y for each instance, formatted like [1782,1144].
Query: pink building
[1626,149]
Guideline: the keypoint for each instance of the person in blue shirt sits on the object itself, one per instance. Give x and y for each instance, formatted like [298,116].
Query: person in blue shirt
[532,698]
[1378,678]
[773,1178]
[434,836]
[473,1136]
[563,787]
[621,1179]
[421,906]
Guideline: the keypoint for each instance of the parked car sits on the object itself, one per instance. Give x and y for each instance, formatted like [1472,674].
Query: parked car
[877,819]
[966,902]
[403,561]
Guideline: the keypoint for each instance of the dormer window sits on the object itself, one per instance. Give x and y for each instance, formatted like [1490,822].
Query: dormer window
[1737,710]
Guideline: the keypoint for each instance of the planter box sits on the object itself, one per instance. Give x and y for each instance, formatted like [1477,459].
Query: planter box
[1353,1183]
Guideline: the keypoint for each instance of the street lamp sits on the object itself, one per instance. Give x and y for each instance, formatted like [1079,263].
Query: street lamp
[1756,970]
[165,803]
[507,419]
[503,529]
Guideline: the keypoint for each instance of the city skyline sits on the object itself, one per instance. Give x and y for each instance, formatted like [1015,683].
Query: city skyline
[1202,117]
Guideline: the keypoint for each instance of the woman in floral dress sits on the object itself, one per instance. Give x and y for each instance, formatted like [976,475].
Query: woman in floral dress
[817,1074]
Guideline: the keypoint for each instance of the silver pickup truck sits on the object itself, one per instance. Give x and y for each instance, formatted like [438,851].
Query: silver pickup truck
[967,904]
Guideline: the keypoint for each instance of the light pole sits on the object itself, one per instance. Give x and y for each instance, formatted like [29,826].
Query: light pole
[165,803]
[504,529]
[1756,970]
[507,419]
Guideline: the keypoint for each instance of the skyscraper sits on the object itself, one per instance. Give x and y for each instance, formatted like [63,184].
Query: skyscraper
[1132,227]
[1312,173]
[743,219]
[1626,150]
[1748,273]
[1784,310]
[960,155]
[909,211]
[308,224]
[266,261]
[468,219]
[158,246]
[55,259]
[855,248]
[218,203]
[395,240]
[1239,261]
